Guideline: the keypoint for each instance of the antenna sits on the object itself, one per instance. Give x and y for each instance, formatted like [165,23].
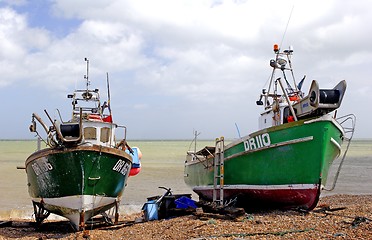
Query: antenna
[286,27]
[108,93]
[196,134]
[237,129]
[86,77]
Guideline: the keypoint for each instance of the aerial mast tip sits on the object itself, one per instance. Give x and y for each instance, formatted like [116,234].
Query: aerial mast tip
[86,77]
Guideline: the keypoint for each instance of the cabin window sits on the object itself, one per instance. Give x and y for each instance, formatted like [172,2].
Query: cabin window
[105,134]
[286,114]
[90,133]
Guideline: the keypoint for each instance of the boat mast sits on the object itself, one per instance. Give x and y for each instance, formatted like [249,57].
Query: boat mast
[282,58]
[108,94]
[288,100]
[86,77]
[289,53]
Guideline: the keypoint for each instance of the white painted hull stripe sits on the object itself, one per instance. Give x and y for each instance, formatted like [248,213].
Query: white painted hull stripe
[337,145]
[260,187]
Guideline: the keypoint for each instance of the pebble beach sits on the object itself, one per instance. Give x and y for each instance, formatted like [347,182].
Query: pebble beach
[335,217]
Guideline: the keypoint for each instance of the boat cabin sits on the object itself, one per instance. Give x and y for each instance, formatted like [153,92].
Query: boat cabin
[317,103]
[94,132]
[88,123]
[288,101]
[269,118]
[101,133]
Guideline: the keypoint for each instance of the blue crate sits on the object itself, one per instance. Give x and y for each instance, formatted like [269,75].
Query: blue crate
[185,202]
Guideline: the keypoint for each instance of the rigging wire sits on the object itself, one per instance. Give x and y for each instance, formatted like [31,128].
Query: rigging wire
[267,81]
[286,27]
[196,134]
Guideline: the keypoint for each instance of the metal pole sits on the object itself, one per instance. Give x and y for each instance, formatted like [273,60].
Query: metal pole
[287,98]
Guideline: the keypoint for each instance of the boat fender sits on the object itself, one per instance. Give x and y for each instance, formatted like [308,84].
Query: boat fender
[134,171]
[136,156]
[139,153]
[136,164]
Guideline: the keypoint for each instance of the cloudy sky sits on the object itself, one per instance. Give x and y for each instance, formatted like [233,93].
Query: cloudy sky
[176,66]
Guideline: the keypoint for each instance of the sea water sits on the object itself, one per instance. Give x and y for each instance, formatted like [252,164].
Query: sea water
[356,171]
[162,166]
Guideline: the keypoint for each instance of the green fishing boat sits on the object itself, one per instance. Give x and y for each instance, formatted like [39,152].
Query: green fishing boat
[84,168]
[285,163]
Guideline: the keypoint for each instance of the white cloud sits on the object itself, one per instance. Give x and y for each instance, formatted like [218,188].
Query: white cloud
[17,43]
[187,52]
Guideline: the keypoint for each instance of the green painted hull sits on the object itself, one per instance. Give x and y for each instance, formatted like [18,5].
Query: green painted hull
[77,182]
[284,165]
[77,171]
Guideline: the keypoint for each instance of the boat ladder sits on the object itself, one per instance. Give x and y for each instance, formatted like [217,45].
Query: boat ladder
[218,171]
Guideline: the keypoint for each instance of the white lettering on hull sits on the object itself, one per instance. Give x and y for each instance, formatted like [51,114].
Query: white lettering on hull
[121,167]
[41,166]
[257,142]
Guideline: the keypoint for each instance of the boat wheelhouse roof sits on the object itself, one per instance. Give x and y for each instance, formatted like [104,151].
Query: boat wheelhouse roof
[206,151]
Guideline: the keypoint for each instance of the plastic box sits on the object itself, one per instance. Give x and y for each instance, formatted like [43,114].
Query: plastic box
[185,202]
[151,210]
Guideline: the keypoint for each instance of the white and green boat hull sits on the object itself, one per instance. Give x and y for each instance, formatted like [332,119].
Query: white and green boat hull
[283,166]
[78,182]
